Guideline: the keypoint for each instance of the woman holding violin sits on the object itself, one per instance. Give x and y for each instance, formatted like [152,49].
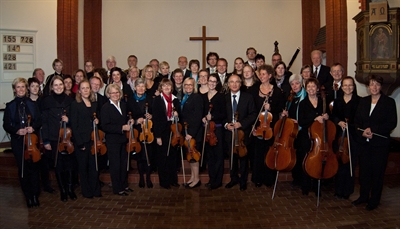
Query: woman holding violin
[375,118]
[21,119]
[82,119]
[55,116]
[114,123]
[191,115]
[270,100]
[140,105]
[165,110]
[343,112]
[214,103]
[310,110]
[292,111]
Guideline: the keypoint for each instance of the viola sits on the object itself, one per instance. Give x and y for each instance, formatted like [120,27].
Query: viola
[146,135]
[64,142]
[211,138]
[192,153]
[238,147]
[321,162]
[133,146]
[264,130]
[98,139]
[31,151]
[343,150]
[281,155]
[176,136]
[335,90]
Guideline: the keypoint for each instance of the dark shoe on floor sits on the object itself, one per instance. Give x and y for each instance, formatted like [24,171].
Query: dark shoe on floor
[212,187]
[128,189]
[370,207]
[208,184]
[35,201]
[230,184]
[63,196]
[141,184]
[149,184]
[258,185]
[359,201]
[122,193]
[71,193]
[165,186]
[48,189]
[243,187]
[175,185]
[99,195]
[29,203]
[305,192]
[194,186]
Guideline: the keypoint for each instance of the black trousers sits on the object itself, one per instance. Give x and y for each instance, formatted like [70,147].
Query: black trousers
[261,173]
[30,180]
[344,182]
[373,161]
[87,171]
[302,144]
[216,159]
[118,158]
[166,164]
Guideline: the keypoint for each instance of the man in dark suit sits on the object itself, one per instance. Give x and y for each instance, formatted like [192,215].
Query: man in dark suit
[333,86]
[212,58]
[243,104]
[321,72]
[222,66]
[182,63]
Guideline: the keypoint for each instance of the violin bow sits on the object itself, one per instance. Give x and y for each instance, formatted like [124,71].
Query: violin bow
[95,144]
[204,141]
[23,159]
[258,116]
[59,136]
[348,143]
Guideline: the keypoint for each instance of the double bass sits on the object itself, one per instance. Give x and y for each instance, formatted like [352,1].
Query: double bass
[321,162]
[282,155]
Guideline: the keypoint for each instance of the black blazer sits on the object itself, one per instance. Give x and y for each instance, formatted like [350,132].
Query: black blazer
[160,121]
[112,122]
[101,100]
[82,122]
[192,113]
[324,74]
[187,74]
[382,120]
[218,112]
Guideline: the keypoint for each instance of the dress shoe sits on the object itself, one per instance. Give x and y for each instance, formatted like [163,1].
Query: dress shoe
[230,184]
[48,189]
[345,197]
[338,196]
[208,184]
[88,197]
[359,201]
[243,187]
[175,185]
[35,201]
[165,186]
[141,184]
[98,195]
[195,186]
[370,207]
[149,184]
[101,183]
[258,185]
[122,193]
[29,202]
[63,196]
[212,187]
[128,189]
[186,184]
[304,192]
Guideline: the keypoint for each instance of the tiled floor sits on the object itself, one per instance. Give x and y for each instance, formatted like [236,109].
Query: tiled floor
[199,208]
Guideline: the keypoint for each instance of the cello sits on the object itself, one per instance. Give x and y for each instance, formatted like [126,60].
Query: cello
[321,162]
[192,153]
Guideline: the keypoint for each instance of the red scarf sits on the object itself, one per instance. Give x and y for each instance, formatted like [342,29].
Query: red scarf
[169,102]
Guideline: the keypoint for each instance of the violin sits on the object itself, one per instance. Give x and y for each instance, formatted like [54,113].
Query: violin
[97,138]
[335,90]
[264,130]
[64,143]
[282,155]
[211,138]
[31,151]
[176,136]
[238,147]
[343,150]
[133,146]
[146,135]
[192,153]
[321,161]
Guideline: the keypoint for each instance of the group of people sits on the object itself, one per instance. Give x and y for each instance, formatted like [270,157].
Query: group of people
[185,107]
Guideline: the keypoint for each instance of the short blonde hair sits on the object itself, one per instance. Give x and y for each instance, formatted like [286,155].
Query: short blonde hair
[145,69]
[113,86]
[17,81]
[164,63]
[186,81]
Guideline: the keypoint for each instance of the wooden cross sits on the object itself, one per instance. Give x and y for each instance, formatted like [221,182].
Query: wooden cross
[204,38]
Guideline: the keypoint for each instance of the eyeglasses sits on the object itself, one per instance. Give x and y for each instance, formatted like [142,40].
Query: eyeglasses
[188,85]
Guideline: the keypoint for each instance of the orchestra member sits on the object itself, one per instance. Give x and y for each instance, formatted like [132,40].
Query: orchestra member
[68,83]
[177,75]
[191,113]
[270,99]
[53,108]
[375,118]
[306,73]
[282,78]
[137,106]
[82,126]
[343,112]
[243,104]
[238,67]
[58,67]
[114,123]
[149,74]
[194,66]
[96,83]
[15,122]
[78,77]
[203,82]
[116,74]
[310,110]
[163,115]
[214,154]
[132,77]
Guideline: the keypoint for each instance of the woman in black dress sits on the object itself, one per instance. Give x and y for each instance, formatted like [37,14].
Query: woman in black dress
[375,118]
[53,108]
[163,115]
[15,122]
[114,123]
[149,75]
[138,105]
[214,154]
[82,117]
